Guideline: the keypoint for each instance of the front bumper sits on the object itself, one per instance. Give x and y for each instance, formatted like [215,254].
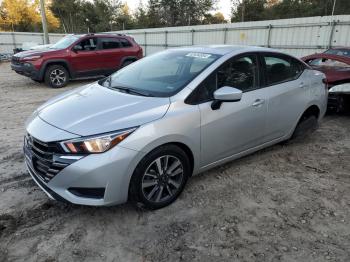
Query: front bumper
[109,172]
[26,69]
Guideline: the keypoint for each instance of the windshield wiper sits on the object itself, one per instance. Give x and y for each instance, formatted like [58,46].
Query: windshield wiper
[129,90]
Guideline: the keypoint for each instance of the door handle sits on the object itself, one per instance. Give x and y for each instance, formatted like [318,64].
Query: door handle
[258,102]
[302,85]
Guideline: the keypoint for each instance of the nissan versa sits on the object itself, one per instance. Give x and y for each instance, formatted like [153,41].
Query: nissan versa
[142,132]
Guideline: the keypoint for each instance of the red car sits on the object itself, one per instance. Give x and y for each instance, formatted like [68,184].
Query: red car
[335,63]
[77,56]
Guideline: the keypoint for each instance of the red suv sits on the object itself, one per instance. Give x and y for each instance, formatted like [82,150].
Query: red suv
[77,56]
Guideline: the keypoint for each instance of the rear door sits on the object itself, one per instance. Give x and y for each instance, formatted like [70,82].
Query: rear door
[109,53]
[287,86]
[83,61]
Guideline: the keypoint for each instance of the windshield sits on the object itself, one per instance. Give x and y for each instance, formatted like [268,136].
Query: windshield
[161,75]
[340,52]
[65,42]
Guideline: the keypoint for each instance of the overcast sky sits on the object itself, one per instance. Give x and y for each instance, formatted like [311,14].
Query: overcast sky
[223,6]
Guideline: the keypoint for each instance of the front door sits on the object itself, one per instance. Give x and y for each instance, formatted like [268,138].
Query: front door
[84,60]
[235,126]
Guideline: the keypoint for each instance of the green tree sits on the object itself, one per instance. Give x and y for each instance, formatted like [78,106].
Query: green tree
[217,18]
[176,12]
[141,18]
[78,16]
[254,10]
[249,10]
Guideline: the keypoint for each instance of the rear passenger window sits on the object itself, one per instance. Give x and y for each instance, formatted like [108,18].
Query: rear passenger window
[110,43]
[281,69]
[125,43]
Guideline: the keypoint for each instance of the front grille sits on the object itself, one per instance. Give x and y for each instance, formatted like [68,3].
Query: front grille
[15,60]
[43,158]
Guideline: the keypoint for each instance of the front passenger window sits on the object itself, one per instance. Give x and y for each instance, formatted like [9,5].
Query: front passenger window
[240,73]
[88,44]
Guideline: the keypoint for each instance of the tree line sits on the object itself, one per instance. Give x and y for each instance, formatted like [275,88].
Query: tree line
[79,16]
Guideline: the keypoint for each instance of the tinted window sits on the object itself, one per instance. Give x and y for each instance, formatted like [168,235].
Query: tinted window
[341,52]
[163,74]
[240,73]
[88,44]
[125,43]
[281,69]
[110,43]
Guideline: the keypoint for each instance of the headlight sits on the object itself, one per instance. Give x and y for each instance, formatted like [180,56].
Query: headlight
[96,144]
[34,57]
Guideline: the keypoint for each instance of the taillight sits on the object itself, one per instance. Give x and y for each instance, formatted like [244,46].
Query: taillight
[140,53]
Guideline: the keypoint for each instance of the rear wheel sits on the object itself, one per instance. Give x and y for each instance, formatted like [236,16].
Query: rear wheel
[306,125]
[126,63]
[56,76]
[160,177]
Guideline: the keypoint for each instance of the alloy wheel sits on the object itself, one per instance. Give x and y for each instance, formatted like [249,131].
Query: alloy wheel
[57,77]
[162,179]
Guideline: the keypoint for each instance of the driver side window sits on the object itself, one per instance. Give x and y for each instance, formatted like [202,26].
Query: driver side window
[89,44]
[240,73]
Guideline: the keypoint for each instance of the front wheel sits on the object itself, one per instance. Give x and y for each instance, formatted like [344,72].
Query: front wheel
[56,76]
[160,177]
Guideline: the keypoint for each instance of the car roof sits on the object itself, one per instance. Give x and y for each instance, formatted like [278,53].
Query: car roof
[224,49]
[338,48]
[101,35]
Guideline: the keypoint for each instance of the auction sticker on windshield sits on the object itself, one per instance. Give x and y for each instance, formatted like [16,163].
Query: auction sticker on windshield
[199,55]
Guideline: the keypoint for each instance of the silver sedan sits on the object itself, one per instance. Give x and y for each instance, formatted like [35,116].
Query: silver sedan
[142,132]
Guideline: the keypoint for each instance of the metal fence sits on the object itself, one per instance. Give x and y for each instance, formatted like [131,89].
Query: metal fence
[11,40]
[298,36]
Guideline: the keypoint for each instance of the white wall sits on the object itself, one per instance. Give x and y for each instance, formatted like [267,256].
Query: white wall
[297,36]
[11,40]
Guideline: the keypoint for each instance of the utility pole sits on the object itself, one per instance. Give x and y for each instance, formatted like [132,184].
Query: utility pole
[243,7]
[44,22]
[335,1]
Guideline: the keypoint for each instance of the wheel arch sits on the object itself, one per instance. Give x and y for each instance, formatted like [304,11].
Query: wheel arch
[127,58]
[61,62]
[312,110]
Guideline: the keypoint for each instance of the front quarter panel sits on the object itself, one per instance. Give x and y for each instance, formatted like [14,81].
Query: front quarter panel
[181,124]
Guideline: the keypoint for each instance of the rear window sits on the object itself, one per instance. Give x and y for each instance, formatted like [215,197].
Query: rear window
[125,42]
[340,52]
[110,43]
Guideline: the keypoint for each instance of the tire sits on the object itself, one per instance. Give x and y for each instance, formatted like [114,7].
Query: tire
[126,63]
[341,105]
[306,125]
[151,187]
[56,76]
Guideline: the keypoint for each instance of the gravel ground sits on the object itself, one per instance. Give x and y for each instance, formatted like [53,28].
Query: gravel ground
[289,202]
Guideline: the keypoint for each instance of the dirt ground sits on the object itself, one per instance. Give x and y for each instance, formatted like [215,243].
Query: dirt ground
[286,203]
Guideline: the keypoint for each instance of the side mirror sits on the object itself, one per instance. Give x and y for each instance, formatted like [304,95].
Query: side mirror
[226,94]
[77,48]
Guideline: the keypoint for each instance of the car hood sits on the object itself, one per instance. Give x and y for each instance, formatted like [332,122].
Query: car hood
[35,52]
[94,109]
